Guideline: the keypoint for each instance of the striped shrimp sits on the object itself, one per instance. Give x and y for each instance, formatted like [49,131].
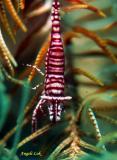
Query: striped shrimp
[53,94]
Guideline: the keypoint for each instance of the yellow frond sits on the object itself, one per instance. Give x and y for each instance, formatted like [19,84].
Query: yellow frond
[22,4]
[34,135]
[40,57]
[14,14]
[5,22]
[6,50]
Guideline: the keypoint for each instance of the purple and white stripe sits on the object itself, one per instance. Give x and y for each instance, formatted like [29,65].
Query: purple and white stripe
[53,93]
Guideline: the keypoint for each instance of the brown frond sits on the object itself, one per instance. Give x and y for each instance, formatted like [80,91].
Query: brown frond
[83,5]
[113,24]
[14,14]
[99,41]
[39,58]
[87,74]
[78,1]
[111,42]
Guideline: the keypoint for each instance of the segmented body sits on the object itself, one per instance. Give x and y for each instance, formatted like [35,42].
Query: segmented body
[53,94]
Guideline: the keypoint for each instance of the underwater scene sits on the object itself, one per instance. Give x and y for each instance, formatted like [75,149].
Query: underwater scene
[58,72]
